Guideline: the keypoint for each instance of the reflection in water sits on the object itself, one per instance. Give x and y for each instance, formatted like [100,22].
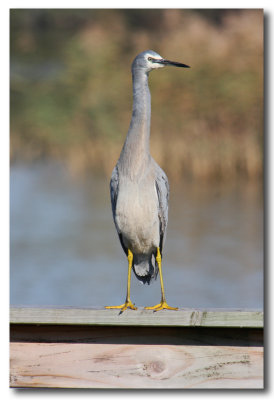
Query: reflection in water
[65,250]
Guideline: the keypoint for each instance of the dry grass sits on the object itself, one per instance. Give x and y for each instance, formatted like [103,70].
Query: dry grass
[207,122]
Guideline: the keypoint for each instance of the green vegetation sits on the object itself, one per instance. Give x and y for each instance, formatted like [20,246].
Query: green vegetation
[71,88]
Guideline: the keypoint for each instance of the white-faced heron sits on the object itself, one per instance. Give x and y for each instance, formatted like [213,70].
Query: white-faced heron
[139,188]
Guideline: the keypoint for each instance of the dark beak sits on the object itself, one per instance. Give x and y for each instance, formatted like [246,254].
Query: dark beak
[174,63]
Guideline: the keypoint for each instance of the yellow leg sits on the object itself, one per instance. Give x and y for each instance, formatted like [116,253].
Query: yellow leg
[128,303]
[163,305]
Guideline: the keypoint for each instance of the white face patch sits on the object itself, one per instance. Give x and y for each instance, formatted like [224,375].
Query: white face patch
[152,64]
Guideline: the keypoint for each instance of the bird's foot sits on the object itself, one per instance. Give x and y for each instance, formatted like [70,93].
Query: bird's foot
[123,307]
[161,306]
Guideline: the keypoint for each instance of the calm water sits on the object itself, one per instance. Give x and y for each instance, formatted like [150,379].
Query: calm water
[65,250]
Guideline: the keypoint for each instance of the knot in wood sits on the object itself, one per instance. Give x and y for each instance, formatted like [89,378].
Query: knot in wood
[157,366]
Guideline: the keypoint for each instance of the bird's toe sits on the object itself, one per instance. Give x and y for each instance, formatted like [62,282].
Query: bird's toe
[161,306]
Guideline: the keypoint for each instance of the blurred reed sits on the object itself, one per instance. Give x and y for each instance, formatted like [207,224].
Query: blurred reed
[71,88]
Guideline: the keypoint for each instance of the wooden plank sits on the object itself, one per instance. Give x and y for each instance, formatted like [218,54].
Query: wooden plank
[90,365]
[95,348]
[141,317]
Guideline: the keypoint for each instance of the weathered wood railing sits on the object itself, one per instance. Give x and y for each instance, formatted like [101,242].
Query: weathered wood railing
[98,348]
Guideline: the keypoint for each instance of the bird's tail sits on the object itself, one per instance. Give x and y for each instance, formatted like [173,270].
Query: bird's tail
[145,267]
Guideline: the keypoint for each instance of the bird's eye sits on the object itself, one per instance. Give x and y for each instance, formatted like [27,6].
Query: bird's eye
[150,58]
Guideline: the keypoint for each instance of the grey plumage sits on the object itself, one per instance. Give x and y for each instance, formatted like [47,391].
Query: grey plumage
[139,188]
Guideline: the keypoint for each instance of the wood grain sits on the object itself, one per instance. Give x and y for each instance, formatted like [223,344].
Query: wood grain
[141,317]
[88,365]
[95,348]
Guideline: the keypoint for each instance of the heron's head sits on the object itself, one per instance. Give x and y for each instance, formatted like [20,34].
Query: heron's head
[149,60]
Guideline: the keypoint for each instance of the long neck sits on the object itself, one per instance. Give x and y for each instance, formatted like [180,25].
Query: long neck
[135,152]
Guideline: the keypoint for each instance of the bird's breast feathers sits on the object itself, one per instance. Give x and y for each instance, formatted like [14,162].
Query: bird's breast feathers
[137,215]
